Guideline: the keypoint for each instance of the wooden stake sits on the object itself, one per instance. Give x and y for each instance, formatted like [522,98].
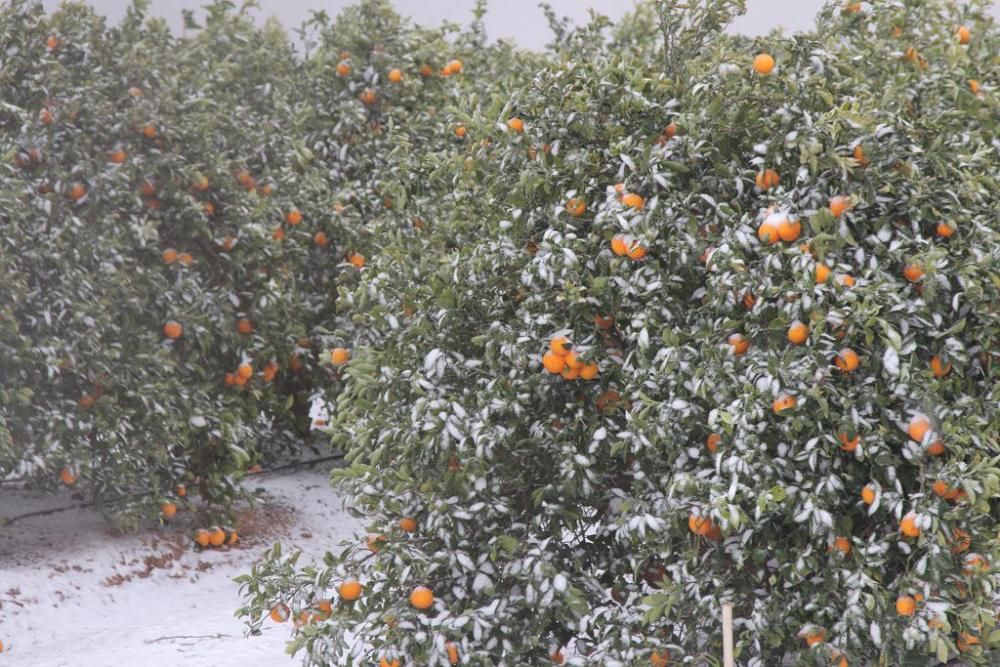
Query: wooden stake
[727,635]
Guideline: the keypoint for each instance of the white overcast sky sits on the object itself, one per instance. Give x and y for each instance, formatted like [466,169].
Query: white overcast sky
[521,20]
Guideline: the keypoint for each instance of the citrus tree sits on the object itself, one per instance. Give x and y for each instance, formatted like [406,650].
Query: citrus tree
[724,329]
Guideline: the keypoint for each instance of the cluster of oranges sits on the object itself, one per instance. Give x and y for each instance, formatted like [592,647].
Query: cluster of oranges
[561,359]
[205,538]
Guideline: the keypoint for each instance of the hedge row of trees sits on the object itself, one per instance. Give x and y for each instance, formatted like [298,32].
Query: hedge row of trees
[654,319]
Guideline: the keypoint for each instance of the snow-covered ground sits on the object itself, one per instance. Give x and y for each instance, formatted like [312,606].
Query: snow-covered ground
[73,594]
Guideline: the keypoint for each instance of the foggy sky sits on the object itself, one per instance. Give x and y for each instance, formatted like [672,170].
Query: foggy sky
[520,20]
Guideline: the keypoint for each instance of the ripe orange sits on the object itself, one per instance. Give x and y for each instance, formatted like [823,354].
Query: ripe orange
[848,444]
[660,658]
[553,363]
[86,401]
[67,477]
[699,525]
[76,191]
[321,239]
[975,564]
[421,597]
[185,258]
[965,641]
[244,370]
[868,494]
[822,273]
[589,371]
[918,427]
[173,329]
[936,448]
[426,71]
[712,443]
[670,131]
[293,217]
[939,367]
[116,156]
[202,537]
[798,333]
[940,488]
[575,207]
[815,636]
[974,86]
[343,69]
[460,131]
[767,179]
[182,490]
[217,537]
[516,124]
[963,34]
[847,360]
[906,605]
[838,205]
[859,156]
[783,402]
[944,230]
[45,116]
[913,272]
[455,66]
[168,509]
[908,526]
[270,370]
[356,260]
[244,327]
[350,590]
[556,657]
[789,229]
[375,542]
[603,321]
[633,201]
[843,545]
[561,346]
[408,524]
[637,251]
[387,663]
[768,232]
[961,541]
[395,75]
[339,356]
[169,256]
[763,64]
[280,613]
[739,344]
[844,279]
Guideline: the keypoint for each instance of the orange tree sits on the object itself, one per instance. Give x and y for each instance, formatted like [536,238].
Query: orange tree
[179,215]
[726,330]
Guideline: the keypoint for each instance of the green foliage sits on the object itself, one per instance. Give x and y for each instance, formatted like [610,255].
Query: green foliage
[556,514]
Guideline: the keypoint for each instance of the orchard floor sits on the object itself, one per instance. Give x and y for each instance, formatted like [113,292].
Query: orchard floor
[73,594]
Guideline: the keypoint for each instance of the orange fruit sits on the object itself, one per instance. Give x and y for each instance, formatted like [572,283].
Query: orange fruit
[918,427]
[936,448]
[270,370]
[868,494]
[339,356]
[712,443]
[561,346]
[202,537]
[637,251]
[168,509]
[570,372]
[822,273]
[293,217]
[847,360]
[848,444]
[908,525]
[763,64]
[783,402]
[619,245]
[173,329]
[45,116]
[67,477]
[575,207]
[279,613]
[452,651]
[961,541]
[460,131]
[408,524]
[421,597]
[375,542]
[838,205]
[844,280]
[798,333]
[633,201]
[52,43]
[343,69]
[906,605]
[843,545]
[603,321]
[395,75]
[944,230]
[940,488]
[350,590]
[356,260]
[699,525]
[244,327]
[974,86]
[116,156]
[965,641]
[670,131]
[851,8]
[553,363]
[516,125]
[913,272]
[77,191]
[556,657]
[975,564]
[217,537]
[169,256]
[455,66]
[660,658]
[589,371]
[384,662]
[426,71]
[244,370]
[185,258]
[768,232]
[789,229]
[767,179]
[939,367]
[181,490]
[963,34]
[859,156]
[815,636]
[739,344]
